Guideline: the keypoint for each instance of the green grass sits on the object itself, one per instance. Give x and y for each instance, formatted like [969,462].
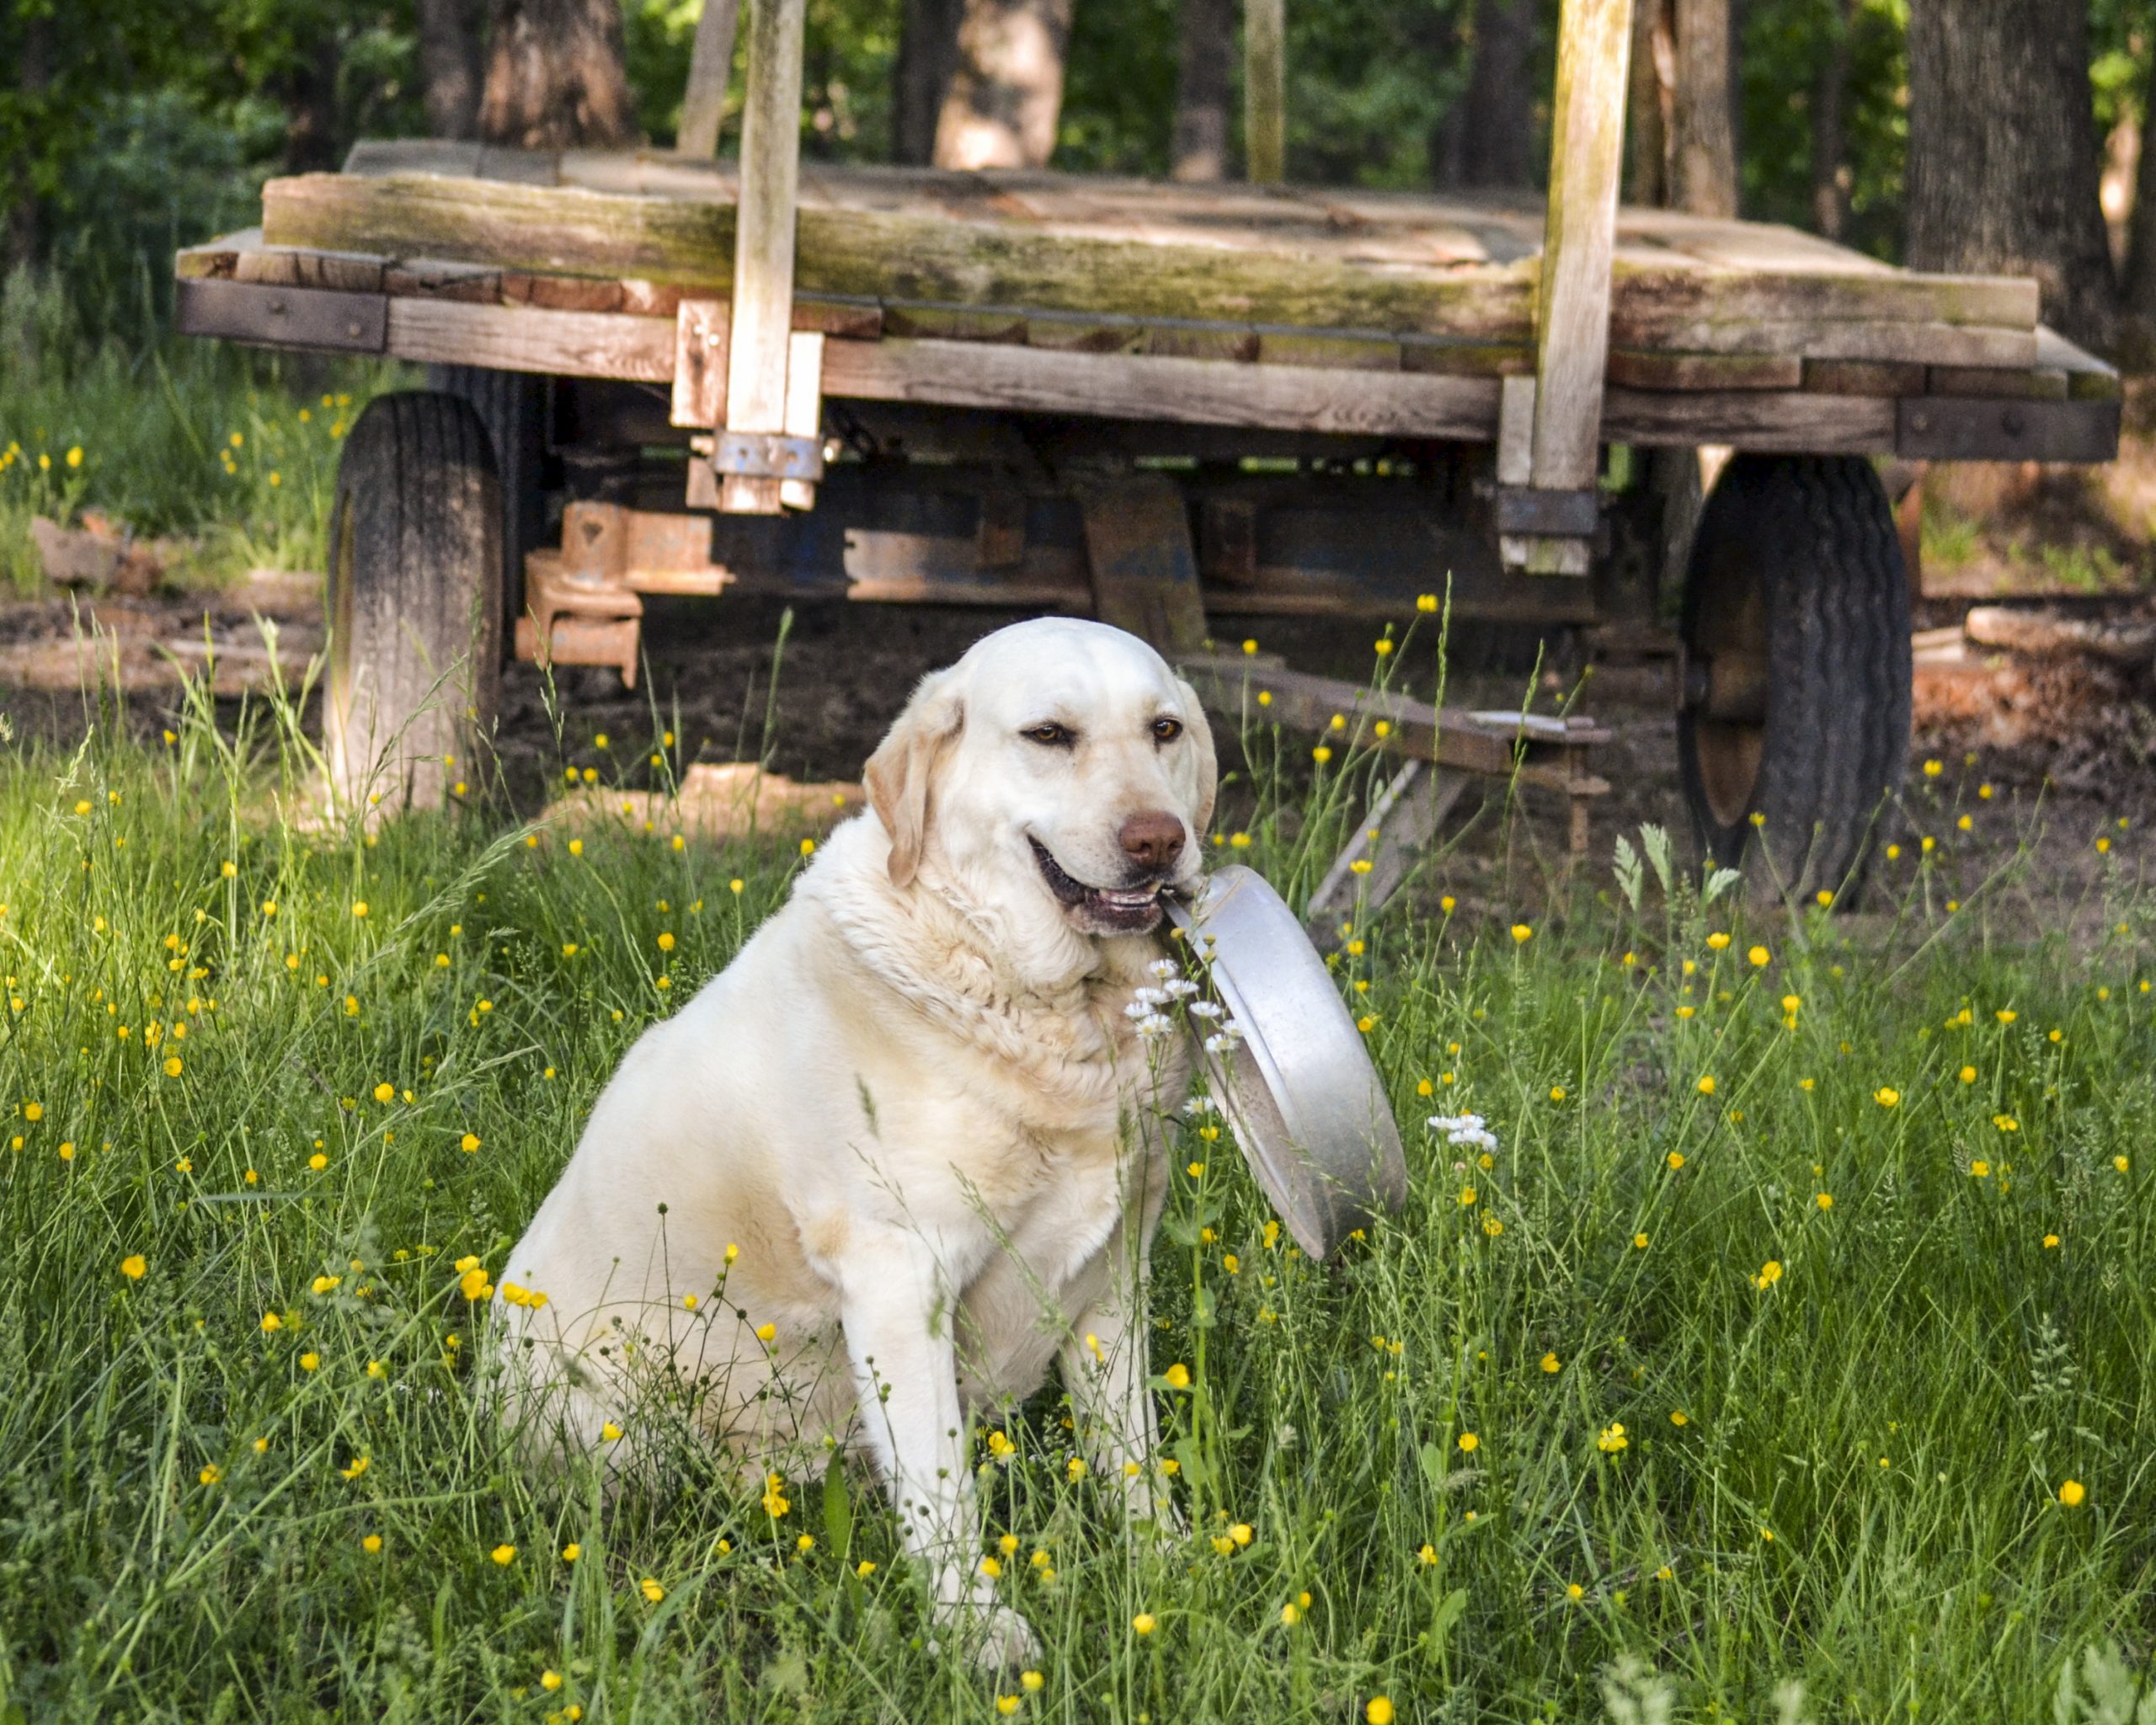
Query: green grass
[231,453]
[1844,1475]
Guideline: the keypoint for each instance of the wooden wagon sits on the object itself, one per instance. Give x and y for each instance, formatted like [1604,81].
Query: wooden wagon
[654,374]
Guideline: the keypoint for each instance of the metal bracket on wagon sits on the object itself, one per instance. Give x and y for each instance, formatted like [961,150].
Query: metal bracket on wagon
[768,454]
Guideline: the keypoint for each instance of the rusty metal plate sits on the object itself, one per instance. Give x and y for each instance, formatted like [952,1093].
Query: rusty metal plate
[612,543]
[1947,428]
[284,317]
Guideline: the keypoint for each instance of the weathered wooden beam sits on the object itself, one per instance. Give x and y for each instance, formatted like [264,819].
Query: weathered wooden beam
[520,339]
[1762,420]
[711,64]
[1572,334]
[763,255]
[1642,368]
[1232,686]
[1139,386]
[912,254]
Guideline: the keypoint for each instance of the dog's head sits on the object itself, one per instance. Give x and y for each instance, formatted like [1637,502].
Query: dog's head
[1059,773]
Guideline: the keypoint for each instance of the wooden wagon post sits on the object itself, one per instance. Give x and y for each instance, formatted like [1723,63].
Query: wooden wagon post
[711,63]
[1547,515]
[768,455]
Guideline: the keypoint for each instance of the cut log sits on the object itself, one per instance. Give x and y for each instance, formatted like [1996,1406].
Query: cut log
[2047,634]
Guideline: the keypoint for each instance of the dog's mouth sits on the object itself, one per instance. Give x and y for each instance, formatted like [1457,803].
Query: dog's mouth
[1132,910]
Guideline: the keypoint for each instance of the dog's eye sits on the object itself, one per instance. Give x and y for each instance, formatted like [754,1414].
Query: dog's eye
[1050,736]
[1167,730]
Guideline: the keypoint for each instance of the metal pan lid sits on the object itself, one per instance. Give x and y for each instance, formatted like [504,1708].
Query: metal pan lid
[1297,1085]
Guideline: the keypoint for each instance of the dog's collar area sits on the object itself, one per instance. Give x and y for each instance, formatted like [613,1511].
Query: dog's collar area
[1137,906]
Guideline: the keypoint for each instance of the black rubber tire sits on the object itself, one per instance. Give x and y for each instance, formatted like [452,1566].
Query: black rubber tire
[1795,584]
[512,405]
[414,603]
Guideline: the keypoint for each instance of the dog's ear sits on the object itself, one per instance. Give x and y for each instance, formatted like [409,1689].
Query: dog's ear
[1208,764]
[899,772]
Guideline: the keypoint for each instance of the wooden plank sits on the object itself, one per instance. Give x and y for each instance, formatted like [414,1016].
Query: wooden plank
[2088,378]
[563,293]
[1188,339]
[804,407]
[339,272]
[1265,91]
[1467,359]
[1066,331]
[1872,378]
[1198,392]
[953,323]
[458,157]
[1389,841]
[848,320]
[1414,728]
[1434,233]
[711,64]
[1572,334]
[423,278]
[520,339]
[884,254]
[1332,350]
[1312,281]
[1188,391]
[1143,568]
[1516,431]
[1996,382]
[1826,338]
[1649,284]
[1762,419]
[763,258]
[700,344]
[215,260]
[1639,368]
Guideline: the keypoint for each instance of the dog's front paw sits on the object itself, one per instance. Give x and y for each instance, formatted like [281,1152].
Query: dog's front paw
[996,1638]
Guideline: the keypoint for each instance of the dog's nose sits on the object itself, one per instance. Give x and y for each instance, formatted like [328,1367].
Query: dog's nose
[1152,838]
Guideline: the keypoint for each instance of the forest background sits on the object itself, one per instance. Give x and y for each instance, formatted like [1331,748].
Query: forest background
[1949,134]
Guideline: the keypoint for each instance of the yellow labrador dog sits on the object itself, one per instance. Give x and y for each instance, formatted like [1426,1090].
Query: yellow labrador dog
[906,1148]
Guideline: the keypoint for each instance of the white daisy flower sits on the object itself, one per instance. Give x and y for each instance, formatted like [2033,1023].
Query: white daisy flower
[1155,1024]
[1204,1009]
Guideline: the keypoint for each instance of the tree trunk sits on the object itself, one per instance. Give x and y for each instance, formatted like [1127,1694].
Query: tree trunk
[1830,192]
[1007,89]
[310,93]
[928,54]
[555,78]
[2139,296]
[449,65]
[1650,111]
[1205,31]
[1487,139]
[1702,136]
[33,74]
[2003,163]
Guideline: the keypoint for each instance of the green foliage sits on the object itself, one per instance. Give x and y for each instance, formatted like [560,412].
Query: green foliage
[235,448]
[1627,1419]
[1787,45]
[848,51]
